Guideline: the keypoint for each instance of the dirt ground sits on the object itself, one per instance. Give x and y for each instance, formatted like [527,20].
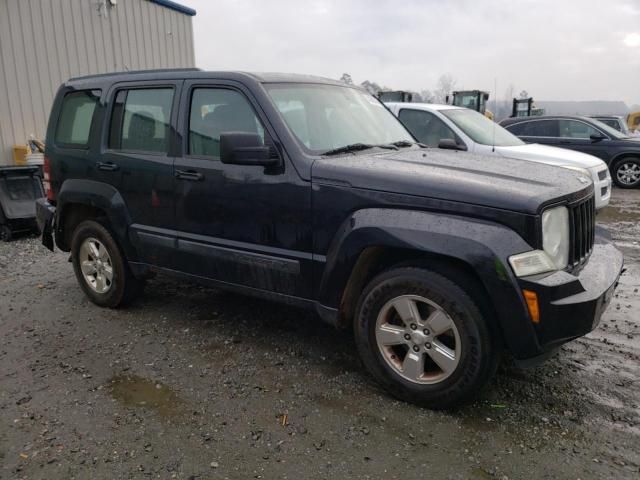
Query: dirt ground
[193,383]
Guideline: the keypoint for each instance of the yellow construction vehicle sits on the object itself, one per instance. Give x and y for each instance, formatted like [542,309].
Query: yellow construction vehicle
[633,121]
[473,99]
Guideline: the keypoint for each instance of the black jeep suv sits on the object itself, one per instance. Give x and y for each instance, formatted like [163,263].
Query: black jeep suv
[310,192]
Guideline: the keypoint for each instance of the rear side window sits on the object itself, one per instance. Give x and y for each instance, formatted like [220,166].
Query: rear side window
[141,119]
[75,119]
[535,128]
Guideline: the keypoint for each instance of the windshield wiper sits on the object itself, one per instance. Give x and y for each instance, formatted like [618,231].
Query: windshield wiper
[355,147]
[407,143]
[402,143]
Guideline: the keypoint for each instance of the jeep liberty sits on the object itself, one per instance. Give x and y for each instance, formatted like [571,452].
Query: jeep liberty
[310,192]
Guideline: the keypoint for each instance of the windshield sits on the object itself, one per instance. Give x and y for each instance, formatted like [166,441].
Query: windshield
[328,117]
[480,129]
[612,132]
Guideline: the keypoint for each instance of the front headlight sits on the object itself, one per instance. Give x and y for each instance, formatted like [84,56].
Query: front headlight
[555,235]
[555,244]
[584,171]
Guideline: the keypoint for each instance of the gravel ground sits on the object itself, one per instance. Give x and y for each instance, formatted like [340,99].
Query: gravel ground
[191,382]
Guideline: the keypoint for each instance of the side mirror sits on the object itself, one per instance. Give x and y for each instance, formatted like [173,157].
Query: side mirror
[243,148]
[596,137]
[450,144]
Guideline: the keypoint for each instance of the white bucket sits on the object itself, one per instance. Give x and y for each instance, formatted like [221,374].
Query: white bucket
[35,159]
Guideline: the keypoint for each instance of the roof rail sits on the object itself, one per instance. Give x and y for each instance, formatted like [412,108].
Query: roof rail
[125,72]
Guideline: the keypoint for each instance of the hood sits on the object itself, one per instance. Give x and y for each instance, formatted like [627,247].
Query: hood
[487,180]
[551,155]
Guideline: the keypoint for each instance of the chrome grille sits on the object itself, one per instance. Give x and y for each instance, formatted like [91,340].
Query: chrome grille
[582,218]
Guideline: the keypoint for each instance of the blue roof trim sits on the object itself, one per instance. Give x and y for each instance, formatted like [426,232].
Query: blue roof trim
[175,6]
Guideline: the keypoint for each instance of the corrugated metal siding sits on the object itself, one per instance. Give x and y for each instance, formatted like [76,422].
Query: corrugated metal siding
[45,42]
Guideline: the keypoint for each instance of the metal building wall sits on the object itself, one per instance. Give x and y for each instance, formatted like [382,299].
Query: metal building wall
[45,42]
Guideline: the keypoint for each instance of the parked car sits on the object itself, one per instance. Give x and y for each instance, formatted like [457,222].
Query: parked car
[588,135]
[614,121]
[310,192]
[451,127]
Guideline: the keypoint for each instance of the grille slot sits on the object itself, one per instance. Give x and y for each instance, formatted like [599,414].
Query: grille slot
[581,231]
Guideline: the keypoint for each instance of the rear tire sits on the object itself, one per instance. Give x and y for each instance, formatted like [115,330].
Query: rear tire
[5,233]
[101,268]
[424,339]
[626,173]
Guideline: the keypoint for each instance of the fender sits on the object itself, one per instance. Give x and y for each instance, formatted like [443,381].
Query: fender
[625,153]
[97,195]
[483,246]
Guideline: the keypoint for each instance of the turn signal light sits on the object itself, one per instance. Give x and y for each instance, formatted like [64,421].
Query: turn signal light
[532,304]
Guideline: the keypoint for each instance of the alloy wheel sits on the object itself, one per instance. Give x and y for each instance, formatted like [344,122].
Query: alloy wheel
[628,173]
[418,339]
[96,265]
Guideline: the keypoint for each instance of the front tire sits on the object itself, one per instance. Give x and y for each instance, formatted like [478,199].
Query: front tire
[626,173]
[424,339]
[100,266]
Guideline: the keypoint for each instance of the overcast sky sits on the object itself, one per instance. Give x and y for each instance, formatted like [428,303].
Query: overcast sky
[555,49]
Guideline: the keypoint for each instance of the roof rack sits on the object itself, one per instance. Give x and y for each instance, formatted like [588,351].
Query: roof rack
[124,72]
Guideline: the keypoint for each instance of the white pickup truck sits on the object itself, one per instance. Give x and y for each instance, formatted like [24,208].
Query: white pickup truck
[457,128]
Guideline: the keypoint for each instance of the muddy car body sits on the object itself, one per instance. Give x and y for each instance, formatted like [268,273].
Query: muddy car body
[310,192]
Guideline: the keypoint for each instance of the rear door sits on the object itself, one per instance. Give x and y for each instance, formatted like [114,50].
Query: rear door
[238,224]
[139,152]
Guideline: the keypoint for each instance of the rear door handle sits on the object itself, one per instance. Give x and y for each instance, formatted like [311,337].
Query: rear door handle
[189,175]
[107,166]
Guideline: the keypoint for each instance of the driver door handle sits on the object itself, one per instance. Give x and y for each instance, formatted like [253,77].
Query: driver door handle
[190,175]
[107,166]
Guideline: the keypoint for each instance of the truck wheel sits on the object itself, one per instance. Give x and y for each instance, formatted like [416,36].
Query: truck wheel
[423,338]
[626,173]
[100,267]
[5,233]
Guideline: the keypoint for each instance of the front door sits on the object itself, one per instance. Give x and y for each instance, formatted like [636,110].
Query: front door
[244,225]
[576,135]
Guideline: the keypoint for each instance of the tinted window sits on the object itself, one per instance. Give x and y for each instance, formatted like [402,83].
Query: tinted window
[575,129]
[535,128]
[610,122]
[75,118]
[141,119]
[426,127]
[215,111]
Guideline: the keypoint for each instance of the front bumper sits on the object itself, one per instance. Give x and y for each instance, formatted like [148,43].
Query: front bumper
[571,304]
[45,216]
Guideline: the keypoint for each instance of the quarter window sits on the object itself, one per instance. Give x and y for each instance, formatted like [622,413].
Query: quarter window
[141,119]
[426,127]
[215,111]
[574,129]
[76,117]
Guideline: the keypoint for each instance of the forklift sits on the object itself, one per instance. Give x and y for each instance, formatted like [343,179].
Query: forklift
[524,107]
[473,99]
